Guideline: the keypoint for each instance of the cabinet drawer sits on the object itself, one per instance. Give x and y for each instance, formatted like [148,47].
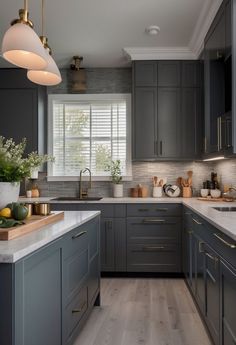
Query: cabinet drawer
[76,241]
[153,230]
[153,258]
[106,210]
[74,312]
[153,210]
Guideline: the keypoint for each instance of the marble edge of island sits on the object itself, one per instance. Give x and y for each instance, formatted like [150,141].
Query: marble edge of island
[15,249]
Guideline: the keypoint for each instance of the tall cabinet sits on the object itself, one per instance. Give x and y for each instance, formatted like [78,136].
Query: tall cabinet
[167,110]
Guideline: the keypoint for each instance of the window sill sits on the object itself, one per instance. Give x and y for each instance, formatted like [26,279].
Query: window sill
[85,178]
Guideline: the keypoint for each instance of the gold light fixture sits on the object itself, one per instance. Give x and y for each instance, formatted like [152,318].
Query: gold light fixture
[21,45]
[50,75]
[78,75]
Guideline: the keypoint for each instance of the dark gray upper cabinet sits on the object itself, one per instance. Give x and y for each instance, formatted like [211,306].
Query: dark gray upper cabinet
[22,102]
[169,73]
[218,83]
[191,74]
[145,73]
[167,119]
[169,123]
[144,123]
[191,122]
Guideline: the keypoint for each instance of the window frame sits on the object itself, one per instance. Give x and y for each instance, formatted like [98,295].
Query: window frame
[89,97]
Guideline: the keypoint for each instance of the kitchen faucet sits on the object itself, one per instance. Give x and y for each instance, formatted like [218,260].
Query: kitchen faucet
[81,193]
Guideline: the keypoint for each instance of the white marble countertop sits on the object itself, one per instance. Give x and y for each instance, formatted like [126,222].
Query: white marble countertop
[224,221]
[13,250]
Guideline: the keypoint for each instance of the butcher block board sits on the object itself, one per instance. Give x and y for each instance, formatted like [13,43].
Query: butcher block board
[30,224]
[211,199]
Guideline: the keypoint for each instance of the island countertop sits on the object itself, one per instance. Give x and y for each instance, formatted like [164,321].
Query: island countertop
[13,250]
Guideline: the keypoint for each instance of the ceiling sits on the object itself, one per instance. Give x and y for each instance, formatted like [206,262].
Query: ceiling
[99,30]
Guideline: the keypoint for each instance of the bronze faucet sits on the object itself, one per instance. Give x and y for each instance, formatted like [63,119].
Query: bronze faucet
[81,193]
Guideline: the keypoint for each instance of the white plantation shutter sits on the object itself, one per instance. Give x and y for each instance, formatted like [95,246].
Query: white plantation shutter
[89,133]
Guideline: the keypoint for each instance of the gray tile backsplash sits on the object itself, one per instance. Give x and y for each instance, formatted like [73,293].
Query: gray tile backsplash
[142,174]
[226,170]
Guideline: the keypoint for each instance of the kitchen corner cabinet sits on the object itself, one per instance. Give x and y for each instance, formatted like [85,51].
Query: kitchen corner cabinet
[24,101]
[167,110]
[209,266]
[46,297]
[218,83]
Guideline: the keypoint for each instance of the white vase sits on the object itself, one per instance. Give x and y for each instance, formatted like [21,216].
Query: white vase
[9,192]
[34,174]
[117,190]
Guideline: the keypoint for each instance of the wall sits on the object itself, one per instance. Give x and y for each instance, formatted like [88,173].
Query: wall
[226,171]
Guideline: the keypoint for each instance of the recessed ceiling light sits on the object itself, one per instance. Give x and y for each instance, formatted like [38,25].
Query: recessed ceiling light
[152,30]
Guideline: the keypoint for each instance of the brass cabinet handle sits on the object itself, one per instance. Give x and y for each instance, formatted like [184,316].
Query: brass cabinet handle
[150,248]
[161,147]
[74,311]
[218,134]
[143,209]
[220,131]
[228,244]
[214,258]
[79,234]
[153,221]
[205,144]
[190,232]
[196,221]
[162,209]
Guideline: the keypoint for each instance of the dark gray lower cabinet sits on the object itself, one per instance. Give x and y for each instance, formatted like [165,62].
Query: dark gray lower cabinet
[228,298]
[47,296]
[107,244]
[209,267]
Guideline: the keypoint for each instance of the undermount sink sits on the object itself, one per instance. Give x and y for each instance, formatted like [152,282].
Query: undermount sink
[75,198]
[225,209]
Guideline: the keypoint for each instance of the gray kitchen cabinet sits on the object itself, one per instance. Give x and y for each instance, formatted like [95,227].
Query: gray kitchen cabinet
[113,233]
[199,272]
[145,73]
[228,300]
[212,279]
[192,121]
[47,296]
[145,123]
[20,99]
[169,123]
[167,117]
[169,73]
[187,247]
[38,297]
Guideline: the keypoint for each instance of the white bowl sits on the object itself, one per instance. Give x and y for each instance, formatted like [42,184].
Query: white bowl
[215,193]
[204,192]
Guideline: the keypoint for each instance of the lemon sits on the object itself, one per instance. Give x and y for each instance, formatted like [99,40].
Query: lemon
[5,212]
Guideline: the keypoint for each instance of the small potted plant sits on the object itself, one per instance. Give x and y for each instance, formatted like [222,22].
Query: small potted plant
[115,170]
[35,161]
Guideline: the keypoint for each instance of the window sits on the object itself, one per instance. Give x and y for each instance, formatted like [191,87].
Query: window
[88,131]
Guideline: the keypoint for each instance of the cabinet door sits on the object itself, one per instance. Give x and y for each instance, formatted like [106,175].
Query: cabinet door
[169,73]
[169,123]
[107,245]
[192,122]
[200,274]
[20,105]
[38,297]
[228,300]
[191,74]
[144,123]
[215,82]
[120,244]
[145,73]
[212,292]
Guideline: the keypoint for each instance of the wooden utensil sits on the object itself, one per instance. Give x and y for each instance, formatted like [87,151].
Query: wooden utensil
[179,181]
[161,183]
[190,178]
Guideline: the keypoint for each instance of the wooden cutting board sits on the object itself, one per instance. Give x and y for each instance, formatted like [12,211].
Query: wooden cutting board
[211,199]
[31,224]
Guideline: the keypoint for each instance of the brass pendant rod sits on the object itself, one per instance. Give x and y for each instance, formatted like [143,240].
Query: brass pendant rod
[26,5]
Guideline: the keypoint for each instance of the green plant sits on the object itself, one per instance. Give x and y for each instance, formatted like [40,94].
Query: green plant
[115,169]
[14,167]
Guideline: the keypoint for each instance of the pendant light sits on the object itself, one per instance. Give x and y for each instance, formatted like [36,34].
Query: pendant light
[50,75]
[21,45]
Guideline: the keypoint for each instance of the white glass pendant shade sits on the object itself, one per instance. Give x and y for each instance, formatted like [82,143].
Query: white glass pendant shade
[22,47]
[48,76]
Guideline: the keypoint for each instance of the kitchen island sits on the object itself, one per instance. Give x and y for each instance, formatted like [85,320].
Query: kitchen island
[50,281]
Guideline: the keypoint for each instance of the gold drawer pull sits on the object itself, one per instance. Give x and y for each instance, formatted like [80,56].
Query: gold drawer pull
[143,209]
[196,221]
[153,247]
[79,234]
[162,209]
[231,245]
[74,311]
[214,258]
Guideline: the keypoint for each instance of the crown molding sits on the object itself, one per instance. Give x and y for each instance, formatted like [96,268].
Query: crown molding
[159,53]
[203,24]
[190,52]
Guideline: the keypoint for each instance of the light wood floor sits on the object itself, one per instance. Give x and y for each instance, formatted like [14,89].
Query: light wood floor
[144,312]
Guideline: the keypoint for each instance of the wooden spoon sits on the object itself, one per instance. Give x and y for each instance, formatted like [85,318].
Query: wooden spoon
[190,178]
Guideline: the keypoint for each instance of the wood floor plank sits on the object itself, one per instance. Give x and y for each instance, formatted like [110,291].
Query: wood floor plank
[144,312]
